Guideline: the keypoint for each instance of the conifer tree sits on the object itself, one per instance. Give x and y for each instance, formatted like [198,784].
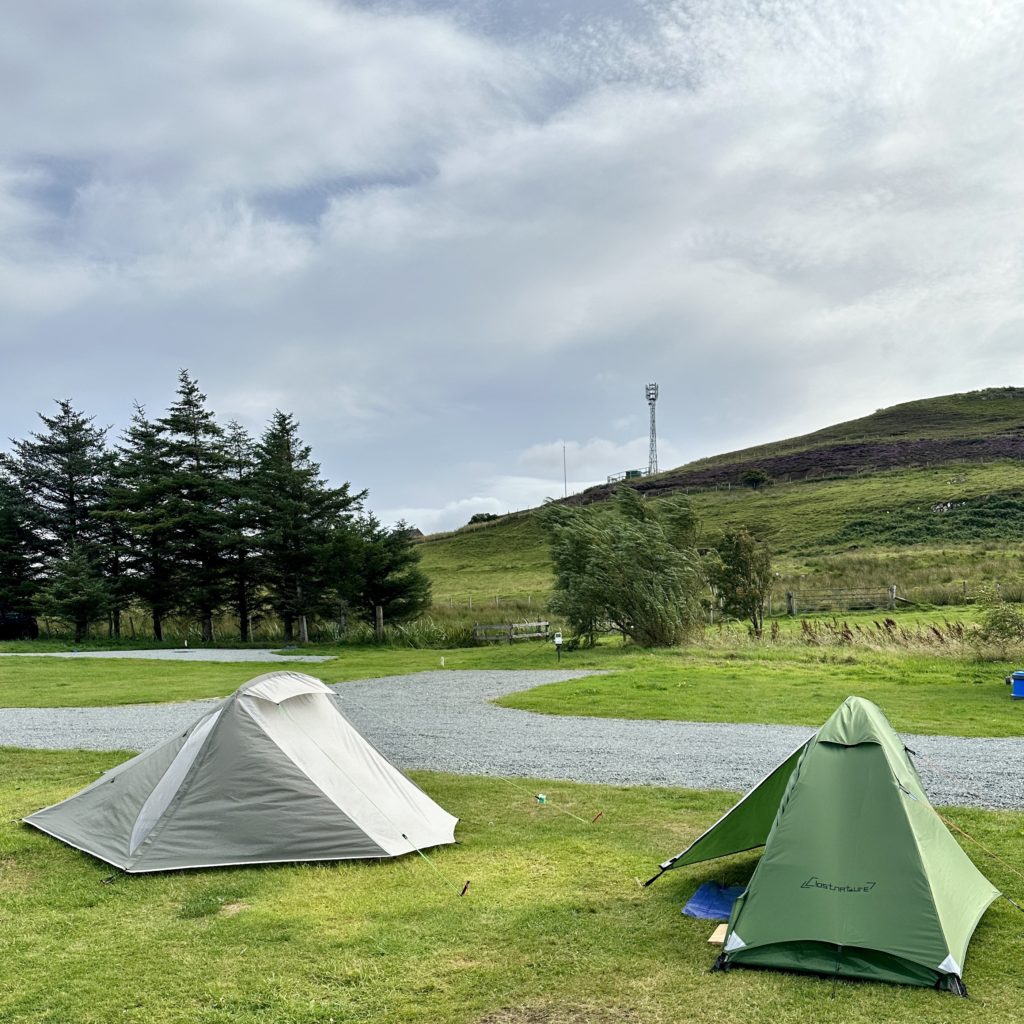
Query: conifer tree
[136,502]
[61,473]
[243,562]
[19,553]
[75,592]
[113,546]
[298,515]
[389,572]
[194,509]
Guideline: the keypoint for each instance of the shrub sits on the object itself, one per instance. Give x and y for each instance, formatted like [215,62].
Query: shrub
[635,566]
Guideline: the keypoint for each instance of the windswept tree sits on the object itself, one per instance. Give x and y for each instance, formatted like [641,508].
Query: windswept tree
[634,567]
[741,573]
[194,510]
[298,515]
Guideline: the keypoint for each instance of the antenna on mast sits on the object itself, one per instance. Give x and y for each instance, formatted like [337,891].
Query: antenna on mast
[651,392]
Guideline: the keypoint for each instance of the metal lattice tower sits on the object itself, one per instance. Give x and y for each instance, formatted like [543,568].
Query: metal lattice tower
[652,453]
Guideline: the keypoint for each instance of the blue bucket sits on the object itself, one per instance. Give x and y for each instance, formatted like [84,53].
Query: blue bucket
[1017,686]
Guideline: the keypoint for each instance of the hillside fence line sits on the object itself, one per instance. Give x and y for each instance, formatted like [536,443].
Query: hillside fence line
[788,598]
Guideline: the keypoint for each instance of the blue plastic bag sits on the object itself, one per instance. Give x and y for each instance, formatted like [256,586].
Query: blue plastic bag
[713,902]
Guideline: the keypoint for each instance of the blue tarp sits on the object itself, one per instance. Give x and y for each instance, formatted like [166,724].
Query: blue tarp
[713,902]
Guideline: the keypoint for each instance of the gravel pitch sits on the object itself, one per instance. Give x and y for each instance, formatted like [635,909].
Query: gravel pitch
[445,721]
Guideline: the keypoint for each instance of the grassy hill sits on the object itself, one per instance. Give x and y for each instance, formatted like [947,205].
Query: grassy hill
[979,426]
[927,494]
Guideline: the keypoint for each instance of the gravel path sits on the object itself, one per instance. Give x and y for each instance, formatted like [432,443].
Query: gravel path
[444,721]
[180,654]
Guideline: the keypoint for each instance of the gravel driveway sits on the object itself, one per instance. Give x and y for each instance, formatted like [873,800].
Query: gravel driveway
[445,721]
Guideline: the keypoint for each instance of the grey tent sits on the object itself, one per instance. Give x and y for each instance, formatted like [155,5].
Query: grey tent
[273,773]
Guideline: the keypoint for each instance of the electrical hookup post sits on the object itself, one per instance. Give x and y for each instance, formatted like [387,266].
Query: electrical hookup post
[558,646]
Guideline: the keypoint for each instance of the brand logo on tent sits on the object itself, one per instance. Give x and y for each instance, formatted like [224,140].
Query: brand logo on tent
[814,882]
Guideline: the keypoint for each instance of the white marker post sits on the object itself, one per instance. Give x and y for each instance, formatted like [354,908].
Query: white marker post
[558,645]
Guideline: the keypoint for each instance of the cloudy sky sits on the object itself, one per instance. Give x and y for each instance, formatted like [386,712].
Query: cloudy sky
[452,235]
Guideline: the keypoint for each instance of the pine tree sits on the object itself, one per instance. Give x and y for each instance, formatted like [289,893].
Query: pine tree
[113,549]
[298,516]
[194,514]
[75,592]
[243,563]
[19,553]
[137,496]
[61,472]
[390,576]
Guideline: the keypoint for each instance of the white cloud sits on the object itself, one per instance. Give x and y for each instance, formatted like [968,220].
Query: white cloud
[444,239]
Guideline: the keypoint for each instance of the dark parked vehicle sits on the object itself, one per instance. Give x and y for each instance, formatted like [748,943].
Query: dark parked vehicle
[18,626]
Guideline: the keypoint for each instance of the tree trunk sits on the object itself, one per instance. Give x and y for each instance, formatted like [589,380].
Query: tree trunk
[158,626]
[243,612]
[81,628]
[303,628]
[289,628]
[207,626]
[242,597]
[116,623]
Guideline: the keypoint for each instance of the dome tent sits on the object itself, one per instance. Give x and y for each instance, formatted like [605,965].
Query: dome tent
[273,773]
[860,878]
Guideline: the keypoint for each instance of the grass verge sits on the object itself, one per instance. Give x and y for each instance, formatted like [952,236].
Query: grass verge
[554,930]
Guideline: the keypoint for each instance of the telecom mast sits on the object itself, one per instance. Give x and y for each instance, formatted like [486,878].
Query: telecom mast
[652,453]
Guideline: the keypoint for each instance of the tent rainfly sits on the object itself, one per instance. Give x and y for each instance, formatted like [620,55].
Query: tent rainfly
[860,878]
[273,773]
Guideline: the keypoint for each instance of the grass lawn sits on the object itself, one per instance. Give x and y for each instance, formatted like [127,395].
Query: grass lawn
[790,685]
[554,930]
[68,682]
[82,682]
[785,684]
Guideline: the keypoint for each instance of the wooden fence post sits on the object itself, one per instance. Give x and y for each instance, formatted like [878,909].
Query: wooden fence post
[790,603]
[378,627]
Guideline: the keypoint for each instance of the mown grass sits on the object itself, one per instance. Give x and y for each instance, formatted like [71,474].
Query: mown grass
[729,680]
[921,693]
[554,929]
[73,682]
[86,682]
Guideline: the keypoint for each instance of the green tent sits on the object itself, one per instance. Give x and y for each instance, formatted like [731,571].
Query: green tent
[860,878]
